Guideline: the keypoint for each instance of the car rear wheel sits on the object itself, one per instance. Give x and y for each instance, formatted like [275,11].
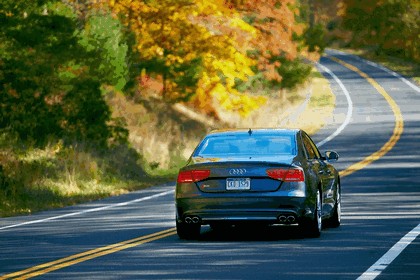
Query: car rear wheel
[188,231]
[313,228]
[335,219]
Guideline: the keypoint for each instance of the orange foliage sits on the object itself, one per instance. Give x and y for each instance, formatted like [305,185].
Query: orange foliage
[177,33]
[275,21]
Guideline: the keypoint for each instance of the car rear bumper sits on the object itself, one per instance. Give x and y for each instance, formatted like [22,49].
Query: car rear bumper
[271,210]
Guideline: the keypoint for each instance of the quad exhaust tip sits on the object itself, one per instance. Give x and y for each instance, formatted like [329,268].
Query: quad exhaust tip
[282,219]
[290,219]
[192,219]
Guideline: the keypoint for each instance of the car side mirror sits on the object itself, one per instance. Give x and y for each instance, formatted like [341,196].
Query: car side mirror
[331,156]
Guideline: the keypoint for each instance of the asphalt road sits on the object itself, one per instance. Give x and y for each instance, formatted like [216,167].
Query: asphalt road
[376,131]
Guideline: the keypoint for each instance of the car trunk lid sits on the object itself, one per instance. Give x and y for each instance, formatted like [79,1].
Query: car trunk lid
[241,176]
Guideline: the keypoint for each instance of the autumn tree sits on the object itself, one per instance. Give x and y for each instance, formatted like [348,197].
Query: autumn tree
[275,44]
[183,41]
[391,26]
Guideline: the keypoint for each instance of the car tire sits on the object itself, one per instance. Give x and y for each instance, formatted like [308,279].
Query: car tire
[335,219]
[313,227]
[188,231]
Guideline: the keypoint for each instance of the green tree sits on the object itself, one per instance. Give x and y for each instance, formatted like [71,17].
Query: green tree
[391,26]
[103,38]
[46,88]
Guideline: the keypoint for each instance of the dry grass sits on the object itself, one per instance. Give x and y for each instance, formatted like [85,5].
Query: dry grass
[319,109]
[162,134]
[308,108]
[165,135]
[278,108]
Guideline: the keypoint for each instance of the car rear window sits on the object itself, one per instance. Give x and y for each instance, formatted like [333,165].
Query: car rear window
[245,145]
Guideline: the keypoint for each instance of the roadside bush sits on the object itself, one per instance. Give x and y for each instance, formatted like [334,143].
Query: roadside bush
[293,72]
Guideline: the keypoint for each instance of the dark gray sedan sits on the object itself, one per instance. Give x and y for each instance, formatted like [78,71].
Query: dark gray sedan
[262,176]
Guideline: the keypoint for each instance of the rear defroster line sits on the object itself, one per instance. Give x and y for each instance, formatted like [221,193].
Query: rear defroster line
[91,254]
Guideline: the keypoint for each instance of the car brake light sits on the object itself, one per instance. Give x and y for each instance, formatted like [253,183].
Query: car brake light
[287,174]
[190,176]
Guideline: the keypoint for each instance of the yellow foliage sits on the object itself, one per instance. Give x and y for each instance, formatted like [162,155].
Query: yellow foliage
[180,31]
[239,23]
[233,100]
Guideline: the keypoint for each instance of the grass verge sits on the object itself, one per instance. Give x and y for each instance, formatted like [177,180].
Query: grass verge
[33,180]
[405,67]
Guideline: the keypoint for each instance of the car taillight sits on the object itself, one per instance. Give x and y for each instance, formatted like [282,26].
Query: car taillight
[190,176]
[287,174]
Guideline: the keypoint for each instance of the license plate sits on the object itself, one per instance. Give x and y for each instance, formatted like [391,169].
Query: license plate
[238,184]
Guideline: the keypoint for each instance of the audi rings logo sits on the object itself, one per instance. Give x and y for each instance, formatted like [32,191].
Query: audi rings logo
[237,171]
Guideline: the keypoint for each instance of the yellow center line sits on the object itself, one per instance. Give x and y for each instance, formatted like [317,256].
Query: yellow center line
[91,254]
[398,128]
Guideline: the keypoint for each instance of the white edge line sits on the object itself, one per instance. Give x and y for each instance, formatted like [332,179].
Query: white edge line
[349,106]
[379,66]
[390,256]
[89,210]
[404,80]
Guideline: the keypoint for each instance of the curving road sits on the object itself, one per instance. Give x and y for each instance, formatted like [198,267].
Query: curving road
[376,130]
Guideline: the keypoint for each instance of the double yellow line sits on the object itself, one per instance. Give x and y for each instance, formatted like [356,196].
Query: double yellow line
[88,255]
[398,128]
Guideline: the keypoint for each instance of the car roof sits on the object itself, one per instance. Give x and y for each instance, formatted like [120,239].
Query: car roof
[252,131]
